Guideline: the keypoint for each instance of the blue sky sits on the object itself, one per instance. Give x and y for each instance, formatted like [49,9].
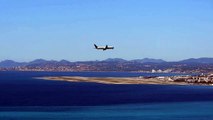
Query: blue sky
[67,29]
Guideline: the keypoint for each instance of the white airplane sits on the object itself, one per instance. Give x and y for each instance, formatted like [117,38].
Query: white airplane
[103,47]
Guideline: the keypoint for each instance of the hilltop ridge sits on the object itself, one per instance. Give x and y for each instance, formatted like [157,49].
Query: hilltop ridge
[204,65]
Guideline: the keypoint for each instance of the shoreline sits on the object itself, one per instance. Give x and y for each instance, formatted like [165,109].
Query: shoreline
[114,80]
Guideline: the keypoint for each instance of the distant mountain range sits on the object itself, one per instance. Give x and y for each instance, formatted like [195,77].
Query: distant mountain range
[200,65]
[11,63]
[39,62]
[199,60]
[148,60]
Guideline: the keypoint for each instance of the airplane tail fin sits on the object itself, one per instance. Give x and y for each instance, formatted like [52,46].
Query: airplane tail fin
[95,46]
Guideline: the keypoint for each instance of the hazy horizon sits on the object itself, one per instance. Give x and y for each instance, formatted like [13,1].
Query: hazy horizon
[67,29]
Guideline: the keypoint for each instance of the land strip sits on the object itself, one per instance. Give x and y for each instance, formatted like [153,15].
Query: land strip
[115,80]
[173,80]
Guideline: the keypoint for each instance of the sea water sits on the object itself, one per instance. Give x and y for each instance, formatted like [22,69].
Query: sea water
[24,98]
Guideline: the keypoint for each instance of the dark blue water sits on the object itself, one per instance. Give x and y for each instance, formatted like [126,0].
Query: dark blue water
[23,97]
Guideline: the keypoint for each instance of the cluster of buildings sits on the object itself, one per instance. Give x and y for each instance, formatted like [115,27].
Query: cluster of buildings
[200,79]
[206,79]
[53,68]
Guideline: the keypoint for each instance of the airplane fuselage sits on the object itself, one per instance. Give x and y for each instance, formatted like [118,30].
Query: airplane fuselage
[103,47]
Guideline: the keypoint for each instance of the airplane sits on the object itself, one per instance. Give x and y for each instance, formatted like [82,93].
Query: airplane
[103,47]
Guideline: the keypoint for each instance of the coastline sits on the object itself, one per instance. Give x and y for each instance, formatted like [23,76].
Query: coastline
[114,80]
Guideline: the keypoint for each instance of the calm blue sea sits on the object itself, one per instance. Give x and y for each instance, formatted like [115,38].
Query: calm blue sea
[24,98]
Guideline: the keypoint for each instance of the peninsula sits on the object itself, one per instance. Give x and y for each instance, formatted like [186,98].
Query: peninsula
[113,80]
[174,80]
